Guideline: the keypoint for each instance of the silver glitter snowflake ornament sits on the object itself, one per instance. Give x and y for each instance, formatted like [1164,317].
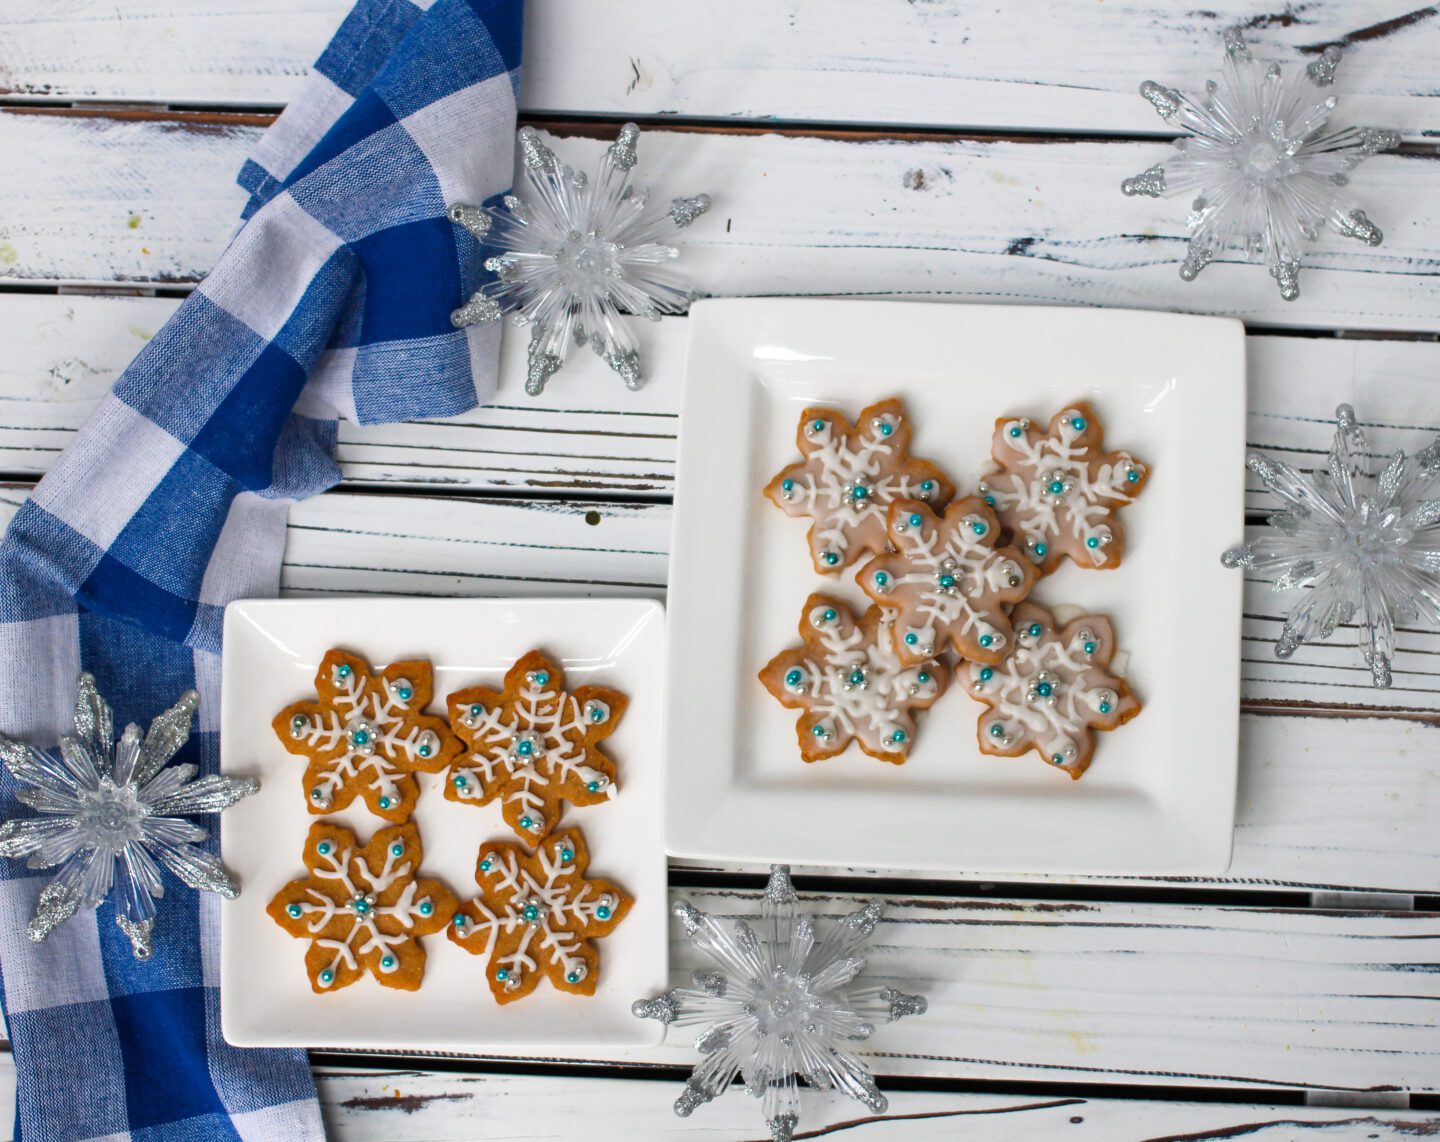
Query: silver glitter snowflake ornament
[1367,546]
[1265,173]
[109,811]
[782,1006]
[577,256]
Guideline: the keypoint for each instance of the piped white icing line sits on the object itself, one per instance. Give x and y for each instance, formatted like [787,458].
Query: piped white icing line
[347,867]
[1049,692]
[561,898]
[553,724]
[1049,492]
[858,687]
[843,483]
[950,584]
[371,705]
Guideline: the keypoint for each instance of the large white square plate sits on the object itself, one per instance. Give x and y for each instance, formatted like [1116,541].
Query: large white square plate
[1160,796]
[272,649]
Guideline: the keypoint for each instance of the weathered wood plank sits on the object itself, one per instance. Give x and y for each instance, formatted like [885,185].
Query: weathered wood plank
[421,1106]
[1031,65]
[1024,222]
[586,432]
[1323,804]
[1158,995]
[1234,997]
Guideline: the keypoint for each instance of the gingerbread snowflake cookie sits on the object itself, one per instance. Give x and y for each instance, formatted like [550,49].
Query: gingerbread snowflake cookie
[362,908]
[848,478]
[850,684]
[1056,492]
[367,734]
[1053,691]
[948,581]
[537,916]
[533,745]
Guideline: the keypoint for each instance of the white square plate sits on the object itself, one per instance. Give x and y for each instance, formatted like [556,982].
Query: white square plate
[272,649]
[1160,796]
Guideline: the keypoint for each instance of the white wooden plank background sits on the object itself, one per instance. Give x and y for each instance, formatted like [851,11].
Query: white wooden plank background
[1093,991]
[428,1106]
[1313,813]
[989,221]
[1027,64]
[587,433]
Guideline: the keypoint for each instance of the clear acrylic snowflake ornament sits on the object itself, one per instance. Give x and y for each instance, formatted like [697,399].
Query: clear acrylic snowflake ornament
[783,1006]
[1367,546]
[578,255]
[1266,174]
[111,816]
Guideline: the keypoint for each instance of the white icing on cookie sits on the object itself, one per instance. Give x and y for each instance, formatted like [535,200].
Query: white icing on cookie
[849,477]
[1056,492]
[947,581]
[1052,690]
[851,683]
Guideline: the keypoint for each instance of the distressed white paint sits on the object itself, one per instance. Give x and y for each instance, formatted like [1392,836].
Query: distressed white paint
[416,1106]
[1323,803]
[980,221]
[1028,64]
[587,433]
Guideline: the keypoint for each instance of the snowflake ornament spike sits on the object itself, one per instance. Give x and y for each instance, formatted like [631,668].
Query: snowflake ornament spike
[782,1007]
[576,255]
[1366,546]
[1265,174]
[111,815]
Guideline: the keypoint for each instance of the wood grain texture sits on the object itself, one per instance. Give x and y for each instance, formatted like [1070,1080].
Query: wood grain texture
[588,434]
[977,220]
[1025,65]
[1323,804]
[419,1106]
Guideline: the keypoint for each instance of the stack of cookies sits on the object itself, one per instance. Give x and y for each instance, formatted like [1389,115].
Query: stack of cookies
[531,746]
[949,580]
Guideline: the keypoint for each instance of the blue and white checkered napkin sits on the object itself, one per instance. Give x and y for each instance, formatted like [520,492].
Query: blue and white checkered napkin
[332,300]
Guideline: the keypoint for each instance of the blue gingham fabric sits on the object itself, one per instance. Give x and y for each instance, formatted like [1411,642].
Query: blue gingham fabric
[332,299]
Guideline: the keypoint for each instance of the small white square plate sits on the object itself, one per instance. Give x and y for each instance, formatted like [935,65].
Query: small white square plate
[1160,796]
[272,649]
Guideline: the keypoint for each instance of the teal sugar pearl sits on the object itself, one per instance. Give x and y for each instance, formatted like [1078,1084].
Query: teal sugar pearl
[1040,550]
[787,485]
[323,848]
[460,920]
[397,849]
[1044,689]
[997,730]
[327,976]
[1132,476]
[831,559]
[387,962]
[426,908]
[923,678]
[829,616]
[294,910]
[385,802]
[818,730]
[915,520]
[404,693]
[1035,629]
[344,670]
[542,679]
[526,822]
[1104,707]
[986,639]
[987,673]
[1015,430]
[603,912]
[793,678]
[1058,759]
[911,639]
[990,500]
[886,429]
[1089,648]
[485,865]
[502,974]
[460,781]
[1078,424]
[566,856]
[593,787]
[817,426]
[572,977]
[927,485]
[1093,542]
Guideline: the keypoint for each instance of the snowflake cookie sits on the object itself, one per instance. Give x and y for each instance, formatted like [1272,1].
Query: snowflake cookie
[536,916]
[367,734]
[1056,492]
[851,684]
[362,909]
[533,745]
[948,581]
[849,477]
[1052,691]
